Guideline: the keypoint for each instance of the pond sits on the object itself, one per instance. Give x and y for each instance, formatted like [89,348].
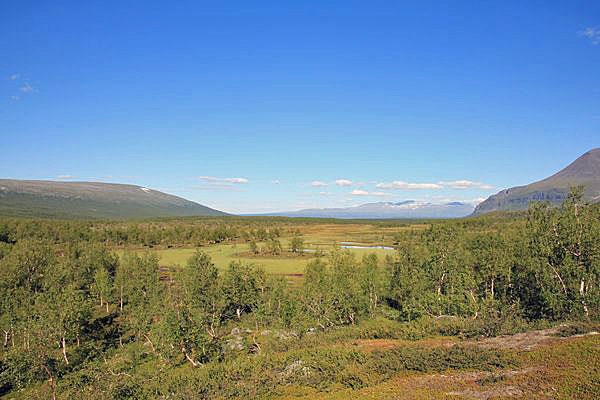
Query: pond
[353,245]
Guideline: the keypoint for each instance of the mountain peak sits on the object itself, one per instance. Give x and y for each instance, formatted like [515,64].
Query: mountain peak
[585,167]
[404,202]
[584,171]
[455,203]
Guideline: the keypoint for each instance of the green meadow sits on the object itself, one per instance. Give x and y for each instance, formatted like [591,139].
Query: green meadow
[288,264]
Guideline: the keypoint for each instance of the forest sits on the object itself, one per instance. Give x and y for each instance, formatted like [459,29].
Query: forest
[90,309]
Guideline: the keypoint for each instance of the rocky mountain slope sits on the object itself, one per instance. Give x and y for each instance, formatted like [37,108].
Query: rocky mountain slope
[583,171]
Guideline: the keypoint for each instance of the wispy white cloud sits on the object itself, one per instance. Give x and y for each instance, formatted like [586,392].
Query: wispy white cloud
[275,182]
[343,182]
[381,194]
[214,183]
[358,192]
[224,180]
[408,186]
[592,33]
[445,200]
[27,88]
[319,184]
[466,184]
[325,193]
[475,201]
[24,86]
[458,184]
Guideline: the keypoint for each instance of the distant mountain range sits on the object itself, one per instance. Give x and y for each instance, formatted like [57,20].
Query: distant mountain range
[92,200]
[387,210]
[584,171]
[554,189]
[109,200]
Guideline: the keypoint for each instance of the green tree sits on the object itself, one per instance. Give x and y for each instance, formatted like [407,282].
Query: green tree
[297,245]
[103,286]
[410,287]
[253,247]
[243,285]
[339,292]
[317,291]
[203,291]
[140,293]
[274,246]
[372,280]
[565,260]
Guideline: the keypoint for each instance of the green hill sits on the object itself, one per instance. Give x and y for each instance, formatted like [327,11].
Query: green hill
[92,200]
[585,171]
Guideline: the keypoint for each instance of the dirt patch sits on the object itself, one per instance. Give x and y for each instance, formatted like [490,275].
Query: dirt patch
[372,344]
[499,392]
[475,377]
[526,341]
[377,344]
[284,255]
[165,274]
[521,341]
[475,385]
[292,275]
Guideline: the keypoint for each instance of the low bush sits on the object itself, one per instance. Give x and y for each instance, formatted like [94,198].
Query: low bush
[578,328]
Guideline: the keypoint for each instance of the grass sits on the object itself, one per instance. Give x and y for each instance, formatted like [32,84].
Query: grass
[569,369]
[324,237]
[370,234]
[223,254]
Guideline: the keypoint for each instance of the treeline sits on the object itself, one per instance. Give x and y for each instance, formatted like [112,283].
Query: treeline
[548,268]
[67,309]
[195,232]
[545,269]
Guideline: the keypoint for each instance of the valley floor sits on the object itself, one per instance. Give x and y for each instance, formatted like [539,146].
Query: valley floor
[367,322]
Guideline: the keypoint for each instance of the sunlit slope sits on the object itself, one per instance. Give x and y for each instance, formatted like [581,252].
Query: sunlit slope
[92,200]
[584,171]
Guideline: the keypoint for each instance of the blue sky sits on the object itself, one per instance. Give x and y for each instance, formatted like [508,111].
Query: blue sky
[262,106]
